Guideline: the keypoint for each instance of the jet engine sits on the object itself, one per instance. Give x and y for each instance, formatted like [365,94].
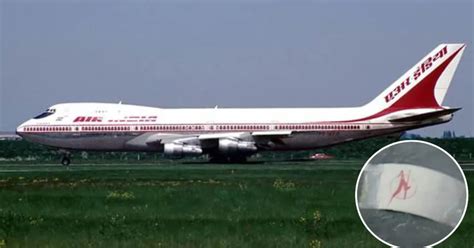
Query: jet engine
[180,150]
[230,147]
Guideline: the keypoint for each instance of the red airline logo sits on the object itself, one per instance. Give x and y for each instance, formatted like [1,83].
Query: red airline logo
[390,96]
[402,187]
[419,71]
[88,119]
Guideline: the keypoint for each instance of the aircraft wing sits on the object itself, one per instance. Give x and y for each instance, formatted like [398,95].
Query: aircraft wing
[234,135]
[279,133]
[240,135]
[262,139]
[208,141]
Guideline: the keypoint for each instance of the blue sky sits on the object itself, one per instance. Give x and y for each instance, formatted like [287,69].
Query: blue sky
[226,53]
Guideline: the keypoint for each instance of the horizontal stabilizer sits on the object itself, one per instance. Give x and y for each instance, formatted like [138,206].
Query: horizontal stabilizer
[426,116]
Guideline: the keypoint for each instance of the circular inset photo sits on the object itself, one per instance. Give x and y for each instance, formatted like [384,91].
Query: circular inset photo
[411,194]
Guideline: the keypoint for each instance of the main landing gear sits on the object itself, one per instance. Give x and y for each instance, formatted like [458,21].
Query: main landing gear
[228,159]
[65,157]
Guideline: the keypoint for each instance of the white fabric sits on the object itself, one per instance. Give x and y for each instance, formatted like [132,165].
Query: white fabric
[413,189]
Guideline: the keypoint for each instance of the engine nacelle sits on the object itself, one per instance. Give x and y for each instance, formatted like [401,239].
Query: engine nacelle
[229,147]
[181,150]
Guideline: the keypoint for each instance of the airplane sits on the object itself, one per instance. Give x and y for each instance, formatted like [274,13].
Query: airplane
[233,134]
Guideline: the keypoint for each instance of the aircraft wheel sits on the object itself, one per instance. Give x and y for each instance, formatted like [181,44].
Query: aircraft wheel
[225,160]
[238,160]
[218,160]
[65,161]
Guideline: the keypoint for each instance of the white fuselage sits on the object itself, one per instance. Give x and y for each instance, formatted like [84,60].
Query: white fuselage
[121,127]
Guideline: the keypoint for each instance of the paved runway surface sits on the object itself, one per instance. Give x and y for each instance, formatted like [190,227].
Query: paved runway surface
[353,165]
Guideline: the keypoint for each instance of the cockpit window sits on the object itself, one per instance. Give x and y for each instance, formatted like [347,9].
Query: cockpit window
[48,112]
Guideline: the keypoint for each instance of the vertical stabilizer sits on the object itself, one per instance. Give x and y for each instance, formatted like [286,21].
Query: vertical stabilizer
[423,86]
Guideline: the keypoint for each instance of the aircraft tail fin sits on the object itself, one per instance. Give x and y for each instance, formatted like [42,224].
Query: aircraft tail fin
[425,85]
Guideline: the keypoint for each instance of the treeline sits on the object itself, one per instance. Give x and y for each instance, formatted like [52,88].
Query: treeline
[460,148]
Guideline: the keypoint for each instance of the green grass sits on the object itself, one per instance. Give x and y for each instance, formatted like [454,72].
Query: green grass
[304,204]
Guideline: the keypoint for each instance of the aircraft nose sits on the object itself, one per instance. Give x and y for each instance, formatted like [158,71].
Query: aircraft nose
[21,129]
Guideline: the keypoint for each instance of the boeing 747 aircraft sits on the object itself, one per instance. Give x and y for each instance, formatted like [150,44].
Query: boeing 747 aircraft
[232,134]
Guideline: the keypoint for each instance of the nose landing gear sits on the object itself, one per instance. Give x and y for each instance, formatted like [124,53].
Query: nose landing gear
[65,157]
[65,161]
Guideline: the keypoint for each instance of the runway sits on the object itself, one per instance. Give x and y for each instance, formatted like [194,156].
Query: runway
[177,166]
[300,165]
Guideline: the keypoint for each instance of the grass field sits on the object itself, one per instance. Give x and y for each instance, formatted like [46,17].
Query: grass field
[279,204]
